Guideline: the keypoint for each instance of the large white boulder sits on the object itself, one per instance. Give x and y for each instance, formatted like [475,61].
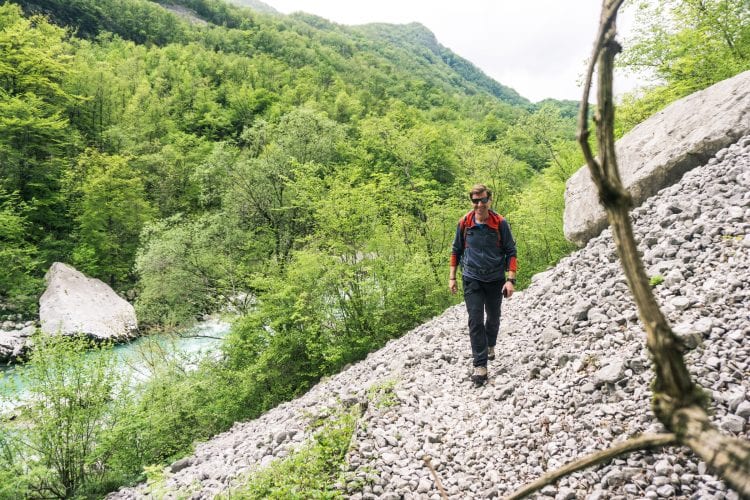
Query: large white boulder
[657,152]
[75,304]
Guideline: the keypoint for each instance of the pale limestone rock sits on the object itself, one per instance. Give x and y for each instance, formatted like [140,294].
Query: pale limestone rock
[657,152]
[75,304]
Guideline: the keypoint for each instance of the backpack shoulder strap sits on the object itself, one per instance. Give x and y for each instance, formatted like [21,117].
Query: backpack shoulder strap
[499,221]
[464,224]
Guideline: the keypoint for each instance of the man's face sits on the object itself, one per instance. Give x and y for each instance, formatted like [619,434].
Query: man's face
[481,203]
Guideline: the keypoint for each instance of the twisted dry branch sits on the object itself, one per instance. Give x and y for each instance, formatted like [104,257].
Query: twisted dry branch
[678,403]
[638,443]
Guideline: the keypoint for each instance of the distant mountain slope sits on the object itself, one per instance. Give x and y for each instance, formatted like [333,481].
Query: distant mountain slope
[186,13]
[420,42]
[141,21]
[255,5]
[406,52]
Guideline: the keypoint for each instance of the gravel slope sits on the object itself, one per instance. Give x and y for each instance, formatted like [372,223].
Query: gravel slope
[572,374]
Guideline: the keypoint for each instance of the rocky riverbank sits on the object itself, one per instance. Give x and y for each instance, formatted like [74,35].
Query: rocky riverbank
[72,304]
[14,337]
[572,374]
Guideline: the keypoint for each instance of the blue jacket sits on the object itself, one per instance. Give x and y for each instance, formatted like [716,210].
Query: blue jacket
[484,251]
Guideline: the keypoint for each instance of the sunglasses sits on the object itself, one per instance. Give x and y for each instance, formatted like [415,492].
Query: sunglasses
[480,200]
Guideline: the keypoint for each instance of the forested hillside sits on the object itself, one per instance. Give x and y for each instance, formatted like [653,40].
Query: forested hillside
[309,173]
[253,134]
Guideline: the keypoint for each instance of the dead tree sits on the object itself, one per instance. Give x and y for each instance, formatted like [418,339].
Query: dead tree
[678,403]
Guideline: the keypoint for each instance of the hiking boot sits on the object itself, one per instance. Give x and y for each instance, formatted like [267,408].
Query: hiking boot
[479,377]
[491,353]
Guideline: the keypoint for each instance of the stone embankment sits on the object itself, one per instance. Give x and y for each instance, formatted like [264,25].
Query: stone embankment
[572,374]
[15,335]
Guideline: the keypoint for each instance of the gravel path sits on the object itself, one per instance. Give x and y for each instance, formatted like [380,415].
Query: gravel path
[572,374]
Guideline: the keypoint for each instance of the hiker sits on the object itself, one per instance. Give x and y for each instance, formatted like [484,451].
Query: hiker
[485,248]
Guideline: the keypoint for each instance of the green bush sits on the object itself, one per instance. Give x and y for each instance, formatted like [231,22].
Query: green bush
[55,449]
[174,409]
[311,472]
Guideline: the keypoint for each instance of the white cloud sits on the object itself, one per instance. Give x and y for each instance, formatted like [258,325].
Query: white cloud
[537,47]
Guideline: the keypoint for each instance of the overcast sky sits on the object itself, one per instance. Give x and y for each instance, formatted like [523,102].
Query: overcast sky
[537,47]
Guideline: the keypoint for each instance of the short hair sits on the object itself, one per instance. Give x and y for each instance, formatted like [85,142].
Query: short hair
[479,189]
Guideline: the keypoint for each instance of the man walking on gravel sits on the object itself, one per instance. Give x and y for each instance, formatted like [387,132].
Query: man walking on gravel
[485,248]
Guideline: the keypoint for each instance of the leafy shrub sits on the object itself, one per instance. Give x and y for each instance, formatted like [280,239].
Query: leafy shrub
[312,471]
[73,400]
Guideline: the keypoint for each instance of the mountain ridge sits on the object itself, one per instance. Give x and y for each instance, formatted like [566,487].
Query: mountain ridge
[419,33]
[255,5]
[408,44]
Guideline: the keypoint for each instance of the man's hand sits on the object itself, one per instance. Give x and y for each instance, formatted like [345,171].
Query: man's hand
[453,285]
[508,289]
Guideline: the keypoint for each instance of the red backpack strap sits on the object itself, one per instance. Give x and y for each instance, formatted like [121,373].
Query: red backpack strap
[499,240]
[464,225]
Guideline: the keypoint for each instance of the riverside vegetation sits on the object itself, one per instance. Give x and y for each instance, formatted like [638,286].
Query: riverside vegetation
[314,170]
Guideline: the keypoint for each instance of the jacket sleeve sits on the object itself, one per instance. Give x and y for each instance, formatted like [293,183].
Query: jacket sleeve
[509,246]
[458,246]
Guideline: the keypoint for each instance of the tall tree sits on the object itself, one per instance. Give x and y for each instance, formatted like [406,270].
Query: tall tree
[34,134]
[684,46]
[691,43]
[17,280]
[111,212]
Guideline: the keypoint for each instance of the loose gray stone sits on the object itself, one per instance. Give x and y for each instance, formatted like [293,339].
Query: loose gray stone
[666,491]
[688,335]
[611,372]
[733,423]
[550,336]
[680,303]
[181,464]
[735,397]
[425,485]
[743,410]
[580,310]
[662,468]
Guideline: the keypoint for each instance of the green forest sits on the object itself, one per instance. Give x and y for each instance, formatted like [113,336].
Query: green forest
[306,173]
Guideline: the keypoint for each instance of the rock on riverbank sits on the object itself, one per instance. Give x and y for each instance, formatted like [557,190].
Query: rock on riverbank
[74,304]
[14,339]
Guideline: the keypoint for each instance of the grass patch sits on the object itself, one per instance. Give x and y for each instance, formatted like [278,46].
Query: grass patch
[656,280]
[310,472]
[382,395]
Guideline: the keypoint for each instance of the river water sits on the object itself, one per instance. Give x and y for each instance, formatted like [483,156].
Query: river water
[189,347]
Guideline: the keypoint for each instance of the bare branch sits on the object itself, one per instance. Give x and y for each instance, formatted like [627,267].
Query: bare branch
[428,462]
[678,403]
[607,20]
[643,442]
[726,456]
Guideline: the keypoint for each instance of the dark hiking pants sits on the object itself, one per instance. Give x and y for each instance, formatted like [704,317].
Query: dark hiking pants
[483,301]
